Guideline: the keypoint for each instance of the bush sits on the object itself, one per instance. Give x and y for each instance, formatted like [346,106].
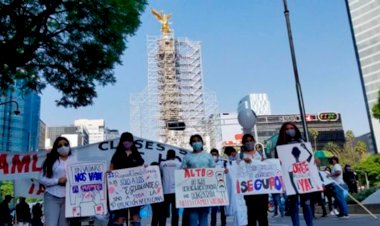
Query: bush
[361,195]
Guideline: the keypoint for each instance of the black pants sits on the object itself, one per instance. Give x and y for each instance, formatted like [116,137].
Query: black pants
[170,205]
[214,211]
[158,216]
[316,198]
[257,209]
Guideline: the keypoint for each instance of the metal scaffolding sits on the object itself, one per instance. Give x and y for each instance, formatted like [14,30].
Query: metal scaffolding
[175,92]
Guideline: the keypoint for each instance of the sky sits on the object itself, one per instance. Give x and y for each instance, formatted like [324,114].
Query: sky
[245,49]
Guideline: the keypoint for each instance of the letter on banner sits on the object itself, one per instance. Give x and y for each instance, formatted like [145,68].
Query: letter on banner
[134,187]
[299,170]
[259,177]
[200,187]
[86,189]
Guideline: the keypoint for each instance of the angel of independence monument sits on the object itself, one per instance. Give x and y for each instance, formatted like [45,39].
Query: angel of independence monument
[174,105]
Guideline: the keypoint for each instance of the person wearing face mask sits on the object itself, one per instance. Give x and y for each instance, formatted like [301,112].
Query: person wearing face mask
[126,156]
[231,153]
[214,210]
[197,159]
[53,177]
[257,205]
[290,134]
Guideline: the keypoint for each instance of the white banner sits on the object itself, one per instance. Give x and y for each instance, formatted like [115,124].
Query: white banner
[24,166]
[135,186]
[259,177]
[325,180]
[29,188]
[299,169]
[86,189]
[200,187]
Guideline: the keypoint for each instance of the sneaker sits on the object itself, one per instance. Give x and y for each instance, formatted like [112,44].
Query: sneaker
[336,211]
[275,215]
[332,213]
[346,217]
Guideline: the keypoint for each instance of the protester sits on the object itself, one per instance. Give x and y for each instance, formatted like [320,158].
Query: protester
[126,156]
[197,159]
[350,178]
[317,197]
[37,214]
[289,133]
[257,205]
[54,179]
[168,168]
[23,217]
[158,209]
[5,211]
[231,153]
[214,210]
[278,204]
[339,187]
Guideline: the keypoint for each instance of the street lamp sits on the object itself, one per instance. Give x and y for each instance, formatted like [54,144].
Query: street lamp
[298,85]
[17,111]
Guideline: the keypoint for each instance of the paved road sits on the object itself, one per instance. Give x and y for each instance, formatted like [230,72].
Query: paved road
[354,220]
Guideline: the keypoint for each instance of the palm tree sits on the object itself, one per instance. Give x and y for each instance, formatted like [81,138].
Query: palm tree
[314,134]
[361,149]
[349,141]
[333,148]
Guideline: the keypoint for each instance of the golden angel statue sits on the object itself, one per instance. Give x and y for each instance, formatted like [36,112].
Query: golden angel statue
[163,19]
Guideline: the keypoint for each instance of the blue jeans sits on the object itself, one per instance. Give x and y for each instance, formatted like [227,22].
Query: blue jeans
[278,205]
[339,195]
[54,210]
[198,216]
[306,209]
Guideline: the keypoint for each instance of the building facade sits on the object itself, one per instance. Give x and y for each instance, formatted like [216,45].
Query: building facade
[365,26]
[77,136]
[258,102]
[19,121]
[95,128]
[42,136]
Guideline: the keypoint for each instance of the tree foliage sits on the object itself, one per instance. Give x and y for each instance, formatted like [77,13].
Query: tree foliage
[361,149]
[73,45]
[371,166]
[376,107]
[314,134]
[333,148]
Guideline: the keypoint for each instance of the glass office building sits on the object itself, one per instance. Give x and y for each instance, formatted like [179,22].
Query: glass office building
[364,18]
[19,132]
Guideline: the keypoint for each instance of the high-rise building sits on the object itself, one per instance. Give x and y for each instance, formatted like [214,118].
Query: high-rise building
[112,134]
[77,135]
[19,132]
[365,26]
[42,140]
[258,102]
[95,128]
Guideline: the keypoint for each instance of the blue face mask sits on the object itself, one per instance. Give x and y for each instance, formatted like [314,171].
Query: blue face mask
[197,146]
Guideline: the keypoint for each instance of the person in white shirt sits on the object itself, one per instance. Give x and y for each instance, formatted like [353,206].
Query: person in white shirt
[339,186]
[168,168]
[218,164]
[54,179]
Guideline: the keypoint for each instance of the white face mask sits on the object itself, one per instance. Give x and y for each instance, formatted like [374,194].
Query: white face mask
[215,158]
[247,156]
[64,150]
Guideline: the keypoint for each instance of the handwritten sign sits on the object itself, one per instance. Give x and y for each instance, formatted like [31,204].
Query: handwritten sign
[299,170]
[86,189]
[136,186]
[200,187]
[259,177]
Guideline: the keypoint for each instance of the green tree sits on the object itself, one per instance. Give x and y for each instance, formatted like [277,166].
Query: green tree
[72,45]
[371,166]
[360,149]
[6,188]
[348,147]
[314,134]
[333,148]
[376,107]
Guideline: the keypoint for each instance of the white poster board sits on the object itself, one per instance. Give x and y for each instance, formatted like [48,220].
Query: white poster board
[299,169]
[200,187]
[325,180]
[135,186]
[86,189]
[259,177]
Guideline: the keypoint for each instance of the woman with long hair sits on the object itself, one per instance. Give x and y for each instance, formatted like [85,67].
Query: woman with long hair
[290,134]
[54,179]
[197,159]
[126,156]
[257,205]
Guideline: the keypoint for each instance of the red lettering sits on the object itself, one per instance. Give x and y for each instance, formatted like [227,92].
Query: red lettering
[250,185]
[25,162]
[35,168]
[31,189]
[4,163]
[305,185]
[189,173]
[238,186]
[41,189]
[300,167]
[271,182]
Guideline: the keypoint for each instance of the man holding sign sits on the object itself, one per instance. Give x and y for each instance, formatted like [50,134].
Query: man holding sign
[300,173]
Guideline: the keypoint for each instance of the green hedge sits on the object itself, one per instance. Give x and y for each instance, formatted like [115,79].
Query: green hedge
[361,195]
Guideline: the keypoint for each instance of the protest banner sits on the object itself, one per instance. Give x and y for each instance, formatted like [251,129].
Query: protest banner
[298,167]
[259,177]
[86,189]
[26,166]
[200,187]
[135,186]
[29,188]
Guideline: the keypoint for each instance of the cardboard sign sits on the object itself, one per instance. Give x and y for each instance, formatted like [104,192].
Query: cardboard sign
[259,177]
[86,189]
[325,180]
[200,187]
[299,170]
[136,186]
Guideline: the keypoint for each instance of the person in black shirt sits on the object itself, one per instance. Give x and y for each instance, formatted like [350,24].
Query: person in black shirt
[5,212]
[22,213]
[37,214]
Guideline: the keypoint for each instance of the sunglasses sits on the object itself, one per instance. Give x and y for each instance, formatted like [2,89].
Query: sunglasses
[61,145]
